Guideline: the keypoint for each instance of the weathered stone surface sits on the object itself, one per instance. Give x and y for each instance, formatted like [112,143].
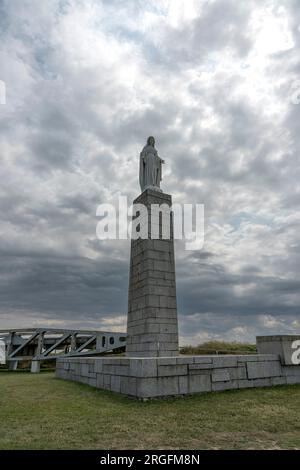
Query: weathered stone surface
[238,373]
[289,371]
[152,291]
[248,358]
[184,360]
[203,359]
[178,369]
[183,385]
[244,383]
[147,388]
[220,375]
[278,380]
[225,361]
[221,386]
[264,369]
[199,383]
[280,345]
[143,367]
[198,367]
[267,382]
[128,386]
[163,376]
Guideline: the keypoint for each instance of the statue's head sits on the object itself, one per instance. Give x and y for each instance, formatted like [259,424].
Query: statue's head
[151,141]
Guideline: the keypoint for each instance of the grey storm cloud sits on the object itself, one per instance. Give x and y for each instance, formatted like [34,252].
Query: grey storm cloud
[87,82]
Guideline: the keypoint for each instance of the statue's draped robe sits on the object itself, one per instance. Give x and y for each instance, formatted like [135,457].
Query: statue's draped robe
[150,168]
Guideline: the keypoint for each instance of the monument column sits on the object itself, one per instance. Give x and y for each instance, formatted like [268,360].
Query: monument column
[152,324]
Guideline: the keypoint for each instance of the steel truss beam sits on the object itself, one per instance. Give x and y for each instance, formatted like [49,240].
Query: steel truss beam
[40,344]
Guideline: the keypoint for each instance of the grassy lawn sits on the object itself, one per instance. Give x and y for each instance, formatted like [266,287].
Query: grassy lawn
[42,412]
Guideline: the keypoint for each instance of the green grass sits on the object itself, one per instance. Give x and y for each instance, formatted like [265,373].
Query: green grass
[42,412]
[220,347]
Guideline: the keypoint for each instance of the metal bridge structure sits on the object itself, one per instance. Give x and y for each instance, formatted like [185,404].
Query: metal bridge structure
[44,344]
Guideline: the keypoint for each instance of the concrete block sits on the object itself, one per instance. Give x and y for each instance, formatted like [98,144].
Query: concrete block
[199,383]
[224,361]
[262,370]
[279,380]
[280,345]
[267,357]
[291,380]
[91,382]
[153,300]
[262,382]
[172,303]
[153,327]
[106,381]
[184,360]
[167,386]
[128,386]
[166,361]
[247,358]
[115,383]
[203,359]
[98,365]
[178,369]
[220,375]
[112,361]
[147,387]
[237,373]
[143,367]
[183,385]
[168,328]
[122,370]
[244,383]
[84,369]
[197,368]
[291,371]
[163,301]
[99,380]
[222,386]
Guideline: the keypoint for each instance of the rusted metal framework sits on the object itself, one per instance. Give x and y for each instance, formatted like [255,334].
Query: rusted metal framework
[42,344]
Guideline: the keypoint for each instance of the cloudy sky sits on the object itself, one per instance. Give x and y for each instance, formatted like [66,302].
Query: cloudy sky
[217,83]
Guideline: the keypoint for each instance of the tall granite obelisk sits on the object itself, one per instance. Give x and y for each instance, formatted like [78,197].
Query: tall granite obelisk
[152,324]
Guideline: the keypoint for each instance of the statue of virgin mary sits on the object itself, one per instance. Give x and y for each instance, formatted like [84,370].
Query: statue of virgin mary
[150,167]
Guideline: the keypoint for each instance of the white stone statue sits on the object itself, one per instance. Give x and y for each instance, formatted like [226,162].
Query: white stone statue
[150,167]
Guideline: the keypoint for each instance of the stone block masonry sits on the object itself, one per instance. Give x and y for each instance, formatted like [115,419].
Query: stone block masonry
[152,327]
[170,376]
[279,344]
[152,367]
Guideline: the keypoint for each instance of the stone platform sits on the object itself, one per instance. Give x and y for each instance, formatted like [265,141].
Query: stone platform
[170,376]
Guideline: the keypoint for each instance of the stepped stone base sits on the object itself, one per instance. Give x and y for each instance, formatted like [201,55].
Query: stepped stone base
[170,376]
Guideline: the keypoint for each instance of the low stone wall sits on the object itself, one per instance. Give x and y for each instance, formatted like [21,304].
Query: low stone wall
[169,376]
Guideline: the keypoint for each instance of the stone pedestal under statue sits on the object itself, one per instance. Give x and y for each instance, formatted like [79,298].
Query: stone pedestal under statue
[152,325]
